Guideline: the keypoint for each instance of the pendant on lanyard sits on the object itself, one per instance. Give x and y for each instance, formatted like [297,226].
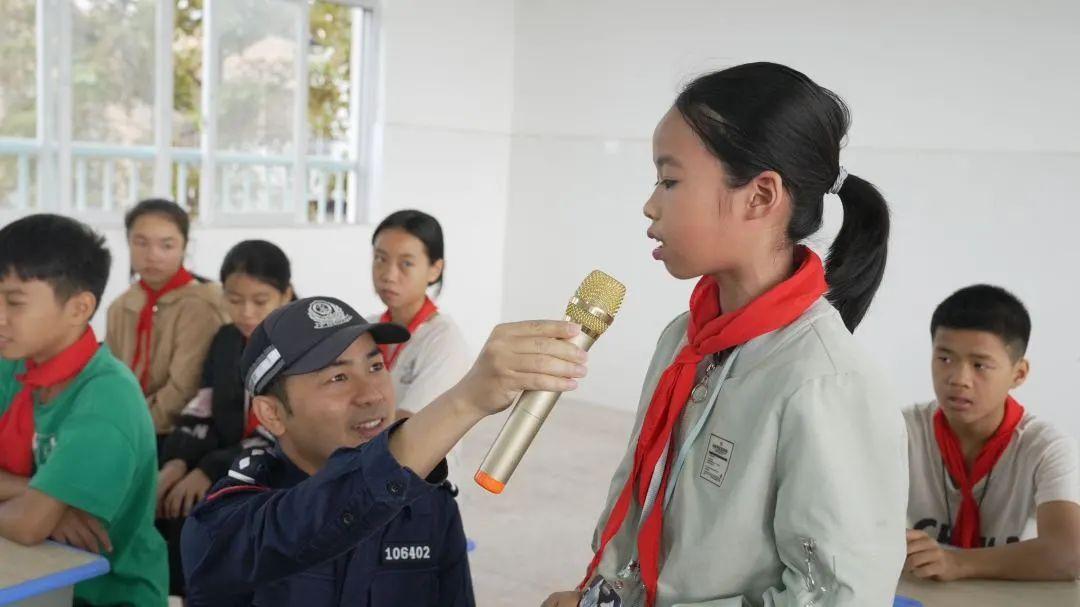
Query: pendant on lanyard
[629,577]
[601,594]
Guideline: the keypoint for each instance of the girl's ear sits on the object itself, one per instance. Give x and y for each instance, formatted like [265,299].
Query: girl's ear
[766,195]
[435,272]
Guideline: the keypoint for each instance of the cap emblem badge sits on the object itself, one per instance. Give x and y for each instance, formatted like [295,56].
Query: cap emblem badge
[326,314]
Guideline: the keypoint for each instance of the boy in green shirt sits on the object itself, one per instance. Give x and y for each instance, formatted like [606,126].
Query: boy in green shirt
[77,447]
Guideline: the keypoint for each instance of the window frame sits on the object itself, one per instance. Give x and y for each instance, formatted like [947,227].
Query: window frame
[61,160]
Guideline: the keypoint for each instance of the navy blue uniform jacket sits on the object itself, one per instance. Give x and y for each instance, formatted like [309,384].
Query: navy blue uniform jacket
[362,532]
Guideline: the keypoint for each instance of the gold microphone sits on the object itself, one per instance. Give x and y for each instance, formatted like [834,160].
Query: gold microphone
[593,306]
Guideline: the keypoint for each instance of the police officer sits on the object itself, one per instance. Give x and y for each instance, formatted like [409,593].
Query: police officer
[350,507]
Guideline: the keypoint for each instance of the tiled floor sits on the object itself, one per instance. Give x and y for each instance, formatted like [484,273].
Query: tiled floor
[534,538]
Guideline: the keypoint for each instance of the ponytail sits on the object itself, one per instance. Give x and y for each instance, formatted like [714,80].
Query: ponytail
[856,261]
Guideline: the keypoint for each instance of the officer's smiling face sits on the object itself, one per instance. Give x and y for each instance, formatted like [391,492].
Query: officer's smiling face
[343,405]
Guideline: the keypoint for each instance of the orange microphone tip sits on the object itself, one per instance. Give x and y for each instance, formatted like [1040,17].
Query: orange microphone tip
[487,482]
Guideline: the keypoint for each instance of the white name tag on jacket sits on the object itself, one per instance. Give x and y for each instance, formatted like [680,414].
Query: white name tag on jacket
[717,459]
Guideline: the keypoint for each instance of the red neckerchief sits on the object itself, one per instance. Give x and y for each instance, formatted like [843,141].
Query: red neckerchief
[428,310]
[710,330]
[966,531]
[145,329]
[17,423]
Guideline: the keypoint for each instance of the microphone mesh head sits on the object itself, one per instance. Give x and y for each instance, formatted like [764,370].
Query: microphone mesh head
[601,291]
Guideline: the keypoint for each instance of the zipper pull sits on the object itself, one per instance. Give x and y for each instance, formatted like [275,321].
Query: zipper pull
[818,577]
[808,547]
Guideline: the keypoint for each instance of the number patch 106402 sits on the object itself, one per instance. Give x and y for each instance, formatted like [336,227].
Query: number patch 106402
[406,553]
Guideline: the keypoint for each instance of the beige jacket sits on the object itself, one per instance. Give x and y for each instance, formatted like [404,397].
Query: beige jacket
[805,442]
[184,325]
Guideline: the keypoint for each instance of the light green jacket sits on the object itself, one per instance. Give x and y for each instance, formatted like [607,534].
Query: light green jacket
[805,442]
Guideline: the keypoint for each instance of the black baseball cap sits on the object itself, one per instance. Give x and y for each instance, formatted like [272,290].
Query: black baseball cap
[305,336]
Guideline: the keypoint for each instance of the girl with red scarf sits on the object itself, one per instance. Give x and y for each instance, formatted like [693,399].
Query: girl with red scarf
[407,261]
[219,424]
[161,327]
[767,464]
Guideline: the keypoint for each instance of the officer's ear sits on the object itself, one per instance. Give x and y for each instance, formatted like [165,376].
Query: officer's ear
[271,413]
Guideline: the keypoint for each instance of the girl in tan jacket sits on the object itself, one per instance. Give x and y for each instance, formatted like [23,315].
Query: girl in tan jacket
[161,327]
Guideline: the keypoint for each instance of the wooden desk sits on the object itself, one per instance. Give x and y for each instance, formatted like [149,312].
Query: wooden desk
[44,575]
[988,593]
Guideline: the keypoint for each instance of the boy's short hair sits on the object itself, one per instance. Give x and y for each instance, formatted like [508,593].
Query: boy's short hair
[986,308]
[65,253]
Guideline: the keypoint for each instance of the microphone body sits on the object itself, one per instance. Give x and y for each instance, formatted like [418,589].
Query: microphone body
[593,307]
[529,412]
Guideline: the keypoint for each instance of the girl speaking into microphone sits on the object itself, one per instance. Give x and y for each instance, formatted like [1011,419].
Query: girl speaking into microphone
[768,460]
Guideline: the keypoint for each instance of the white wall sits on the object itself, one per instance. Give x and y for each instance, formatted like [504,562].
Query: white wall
[964,115]
[446,140]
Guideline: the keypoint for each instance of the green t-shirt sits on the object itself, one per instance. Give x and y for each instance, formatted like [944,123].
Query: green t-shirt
[95,449]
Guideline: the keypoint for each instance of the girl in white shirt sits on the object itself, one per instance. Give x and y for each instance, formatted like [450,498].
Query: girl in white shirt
[408,260]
